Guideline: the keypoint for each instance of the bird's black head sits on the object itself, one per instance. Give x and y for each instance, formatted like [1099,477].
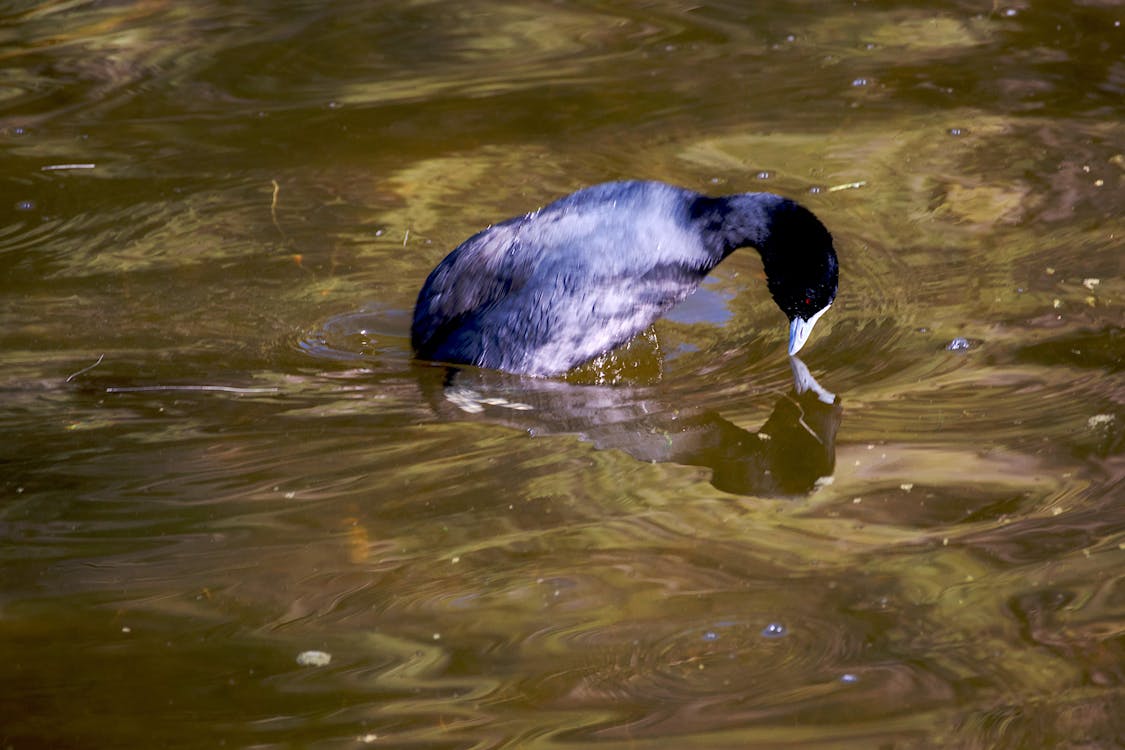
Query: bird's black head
[801,268]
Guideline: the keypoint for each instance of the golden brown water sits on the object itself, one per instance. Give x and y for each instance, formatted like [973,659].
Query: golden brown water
[218,455]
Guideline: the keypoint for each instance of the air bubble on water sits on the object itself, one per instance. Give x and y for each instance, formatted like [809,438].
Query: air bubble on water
[958,344]
[710,635]
[774,630]
[25,205]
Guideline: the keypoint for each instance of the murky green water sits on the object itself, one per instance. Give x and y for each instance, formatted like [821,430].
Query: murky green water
[228,209]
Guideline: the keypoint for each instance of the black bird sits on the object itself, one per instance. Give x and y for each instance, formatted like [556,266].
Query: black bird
[542,293]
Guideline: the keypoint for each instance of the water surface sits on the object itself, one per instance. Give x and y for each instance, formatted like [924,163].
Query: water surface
[218,454]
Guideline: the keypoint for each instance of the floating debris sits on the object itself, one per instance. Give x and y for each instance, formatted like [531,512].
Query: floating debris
[1099,420]
[72,376]
[847,186]
[64,167]
[314,658]
[200,388]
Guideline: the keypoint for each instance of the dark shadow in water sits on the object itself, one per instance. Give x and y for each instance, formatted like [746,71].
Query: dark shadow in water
[794,448]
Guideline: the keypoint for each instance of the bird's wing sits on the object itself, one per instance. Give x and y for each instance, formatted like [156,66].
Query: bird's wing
[476,275]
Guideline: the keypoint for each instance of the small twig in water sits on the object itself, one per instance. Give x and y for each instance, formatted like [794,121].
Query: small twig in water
[205,388]
[273,208]
[405,237]
[62,167]
[847,186]
[72,376]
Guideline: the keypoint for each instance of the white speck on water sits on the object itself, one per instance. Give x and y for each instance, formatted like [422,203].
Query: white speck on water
[774,630]
[1091,283]
[958,344]
[1099,420]
[314,658]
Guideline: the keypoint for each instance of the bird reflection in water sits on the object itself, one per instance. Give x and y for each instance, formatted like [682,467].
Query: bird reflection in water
[786,456]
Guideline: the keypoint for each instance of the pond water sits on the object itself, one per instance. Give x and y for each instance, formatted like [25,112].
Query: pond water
[236,513]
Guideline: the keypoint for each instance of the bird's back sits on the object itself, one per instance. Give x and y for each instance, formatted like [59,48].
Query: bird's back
[542,293]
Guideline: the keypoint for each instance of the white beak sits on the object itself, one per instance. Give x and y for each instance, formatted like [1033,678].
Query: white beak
[800,329]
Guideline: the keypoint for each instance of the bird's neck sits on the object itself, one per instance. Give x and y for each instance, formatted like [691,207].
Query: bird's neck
[731,222]
[778,228]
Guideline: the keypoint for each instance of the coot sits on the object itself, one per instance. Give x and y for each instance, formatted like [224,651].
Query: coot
[542,293]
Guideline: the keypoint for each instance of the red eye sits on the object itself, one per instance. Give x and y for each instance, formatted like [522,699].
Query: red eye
[808,300]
